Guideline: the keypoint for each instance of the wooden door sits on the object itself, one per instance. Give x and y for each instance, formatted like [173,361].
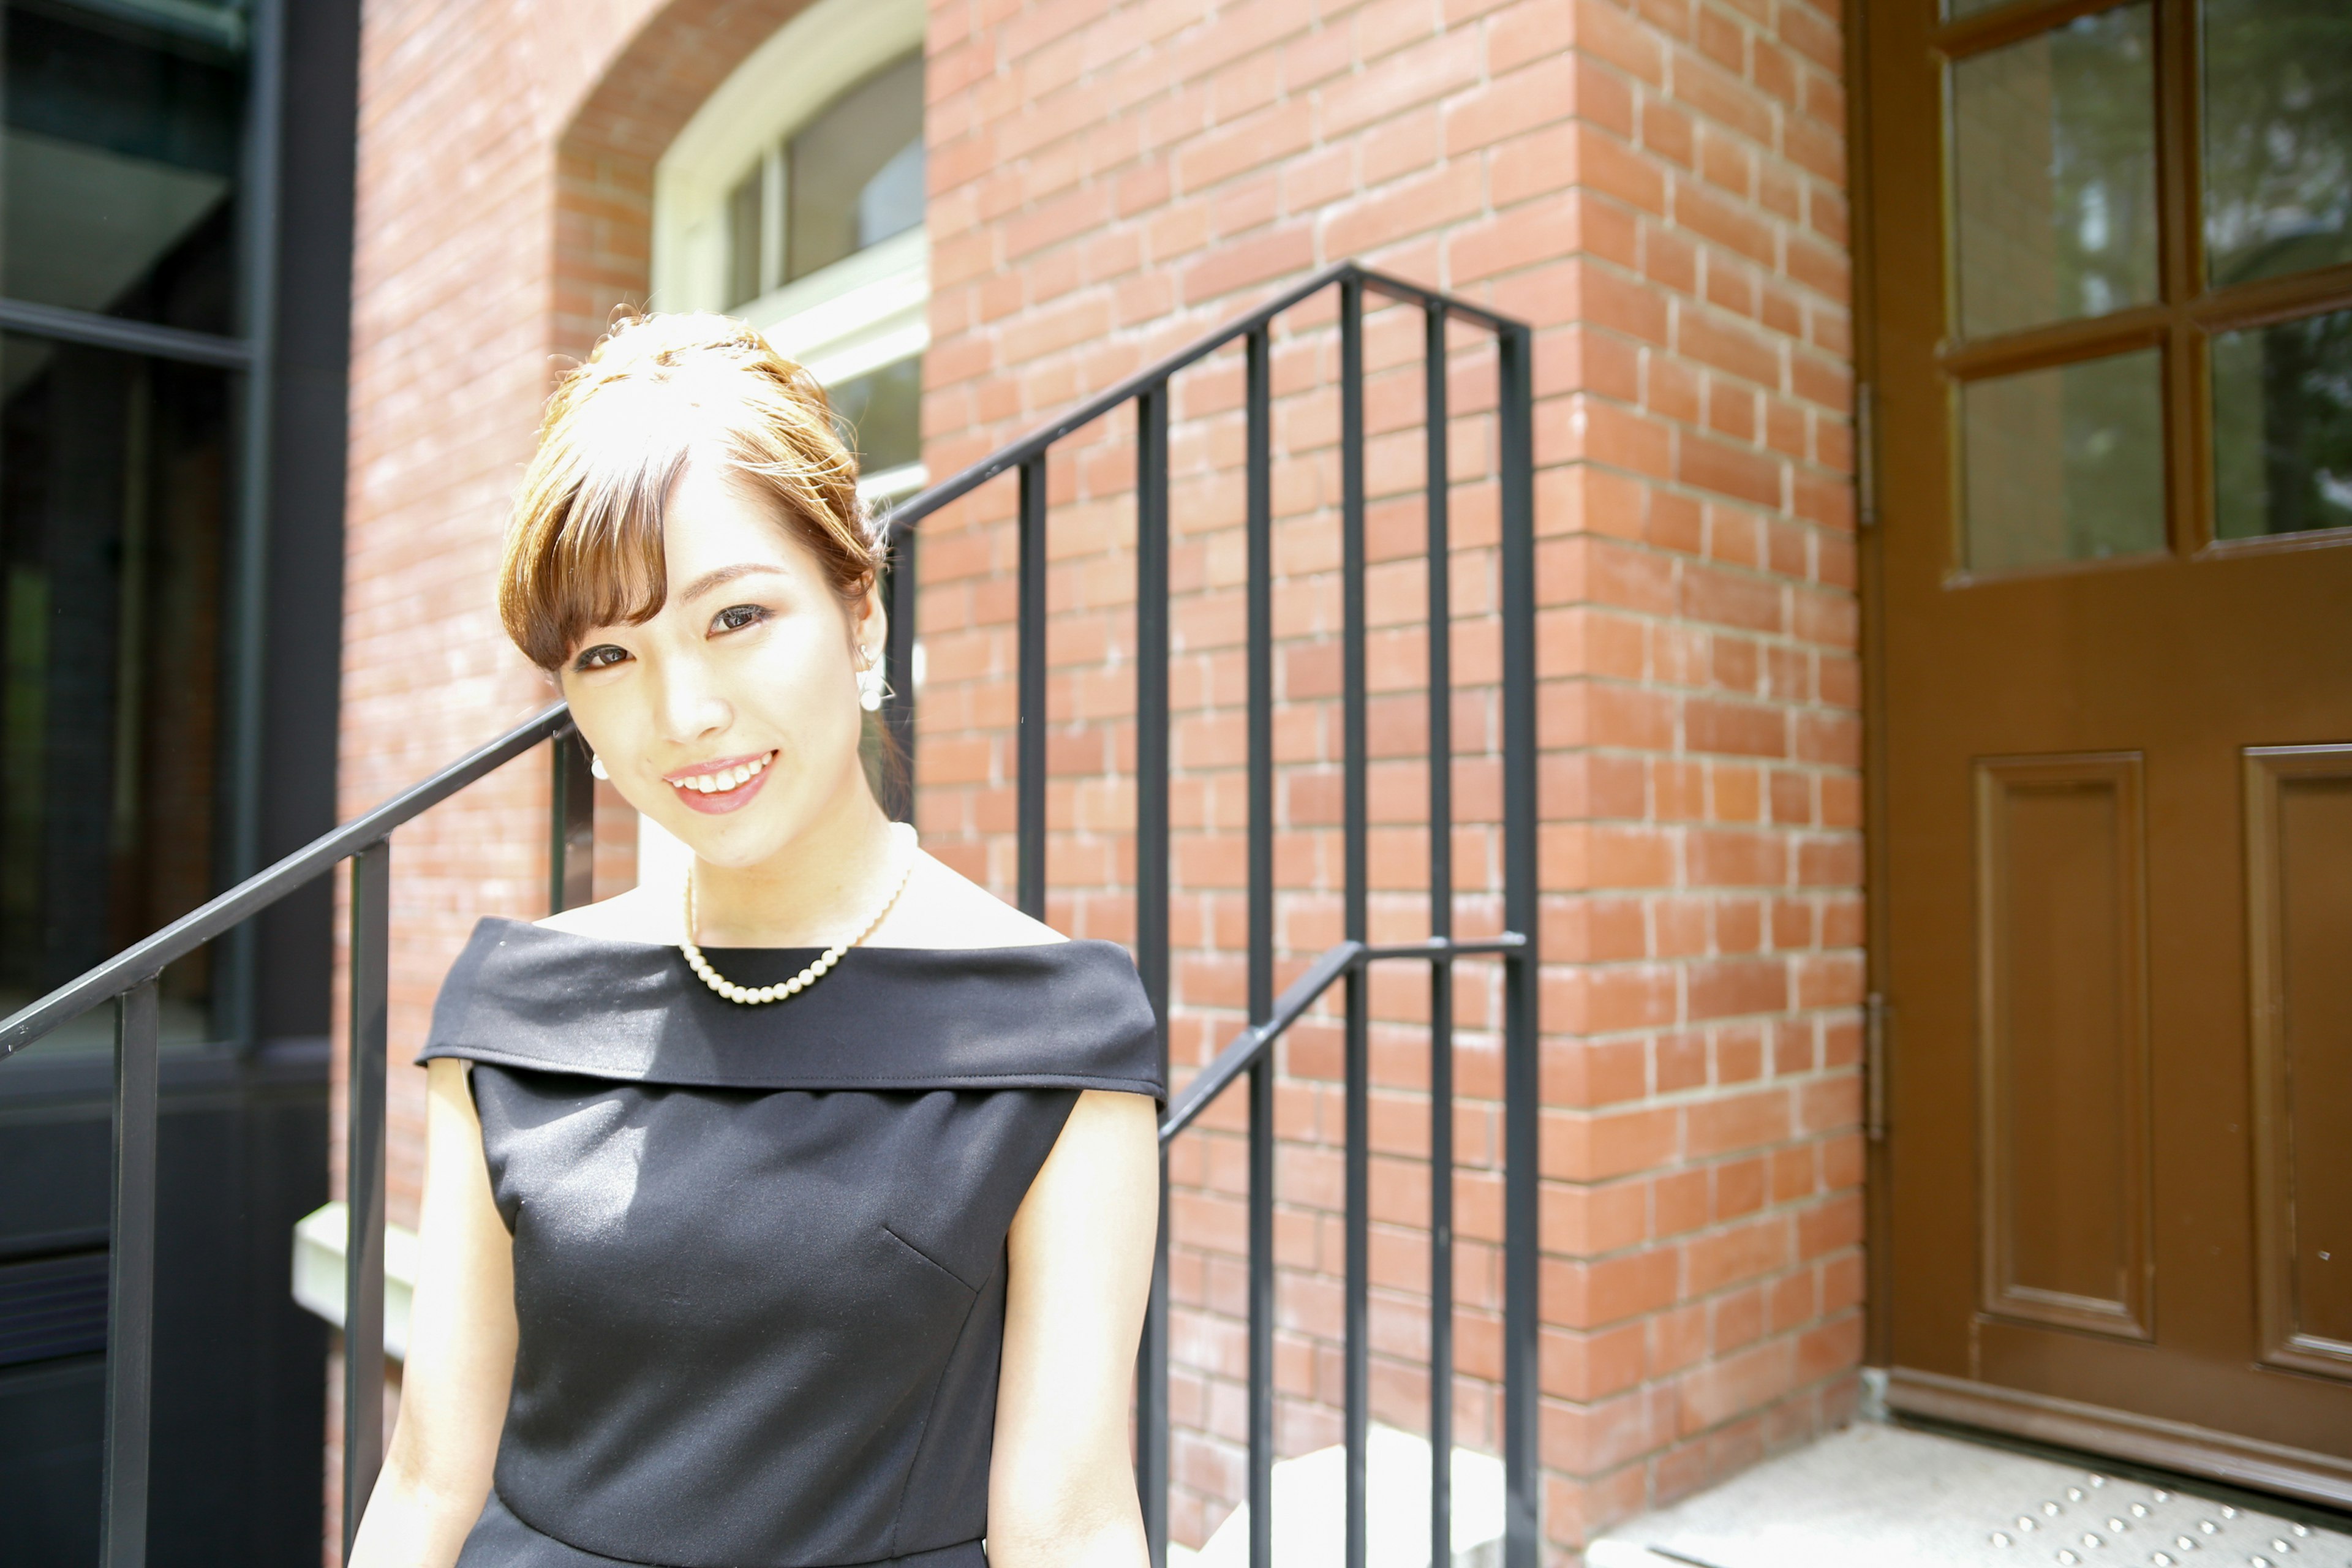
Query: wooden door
[2109,305]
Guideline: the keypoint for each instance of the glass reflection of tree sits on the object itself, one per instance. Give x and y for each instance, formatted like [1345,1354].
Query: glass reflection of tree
[2278,136]
[2306,380]
[2103,161]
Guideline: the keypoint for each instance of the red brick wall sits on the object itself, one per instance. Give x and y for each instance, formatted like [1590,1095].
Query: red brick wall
[1659,190]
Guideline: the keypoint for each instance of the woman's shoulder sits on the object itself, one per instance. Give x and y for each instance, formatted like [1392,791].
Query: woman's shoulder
[633,916]
[942,907]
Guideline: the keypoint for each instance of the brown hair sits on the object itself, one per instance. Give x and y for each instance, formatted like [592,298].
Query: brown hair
[584,548]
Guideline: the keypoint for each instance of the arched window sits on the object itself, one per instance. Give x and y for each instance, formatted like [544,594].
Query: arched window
[794,198]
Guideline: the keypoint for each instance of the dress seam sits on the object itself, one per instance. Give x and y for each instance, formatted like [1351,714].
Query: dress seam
[892,1232]
[932,1407]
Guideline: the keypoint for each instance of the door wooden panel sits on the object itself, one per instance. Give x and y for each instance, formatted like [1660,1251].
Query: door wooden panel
[2299,904]
[2062,1097]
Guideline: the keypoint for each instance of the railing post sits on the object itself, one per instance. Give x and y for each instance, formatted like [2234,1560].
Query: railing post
[130,1282]
[1151,909]
[363,1182]
[1030,765]
[1434,416]
[1258,372]
[571,825]
[1522,1079]
[898,665]
[1358,1155]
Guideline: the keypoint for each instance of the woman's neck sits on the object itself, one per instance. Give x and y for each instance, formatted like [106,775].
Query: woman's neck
[822,886]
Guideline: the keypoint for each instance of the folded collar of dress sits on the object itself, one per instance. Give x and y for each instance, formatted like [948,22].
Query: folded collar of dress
[1069,1014]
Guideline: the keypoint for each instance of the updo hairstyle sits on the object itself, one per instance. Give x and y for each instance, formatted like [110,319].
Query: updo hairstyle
[584,547]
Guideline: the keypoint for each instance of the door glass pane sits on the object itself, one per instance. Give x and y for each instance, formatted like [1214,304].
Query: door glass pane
[119,151]
[2065,463]
[2283,427]
[881,415]
[853,176]
[2053,150]
[2278,137]
[113,512]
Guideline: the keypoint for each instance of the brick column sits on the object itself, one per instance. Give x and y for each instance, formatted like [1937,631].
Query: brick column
[1659,189]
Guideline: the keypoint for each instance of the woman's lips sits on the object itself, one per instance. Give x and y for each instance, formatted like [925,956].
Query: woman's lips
[717,788]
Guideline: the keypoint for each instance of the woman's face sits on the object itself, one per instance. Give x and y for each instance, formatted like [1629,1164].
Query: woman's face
[730,717]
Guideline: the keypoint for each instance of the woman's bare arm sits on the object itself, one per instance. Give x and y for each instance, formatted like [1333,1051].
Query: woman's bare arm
[1061,1490]
[461,1349]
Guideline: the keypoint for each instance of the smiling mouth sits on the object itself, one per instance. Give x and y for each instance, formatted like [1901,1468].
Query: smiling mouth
[724,787]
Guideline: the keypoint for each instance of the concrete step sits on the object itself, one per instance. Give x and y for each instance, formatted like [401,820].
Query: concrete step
[1883,1496]
[1310,1500]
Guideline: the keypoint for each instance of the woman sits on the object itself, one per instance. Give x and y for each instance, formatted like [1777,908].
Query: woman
[802,1215]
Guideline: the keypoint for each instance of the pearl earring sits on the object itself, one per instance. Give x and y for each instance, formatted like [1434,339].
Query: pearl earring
[596,766]
[869,683]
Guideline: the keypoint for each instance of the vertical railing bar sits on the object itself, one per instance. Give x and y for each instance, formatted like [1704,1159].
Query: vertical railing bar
[130,1282]
[1521,1077]
[1260,397]
[1030,764]
[571,825]
[1151,616]
[363,1183]
[1357,1378]
[1440,923]
[898,674]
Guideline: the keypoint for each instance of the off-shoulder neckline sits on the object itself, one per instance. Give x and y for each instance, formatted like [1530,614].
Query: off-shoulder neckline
[547,930]
[1062,1015]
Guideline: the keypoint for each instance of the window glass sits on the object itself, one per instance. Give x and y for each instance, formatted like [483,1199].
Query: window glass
[119,153]
[2064,465]
[746,219]
[2278,137]
[853,176]
[113,515]
[2283,427]
[2053,149]
[881,415]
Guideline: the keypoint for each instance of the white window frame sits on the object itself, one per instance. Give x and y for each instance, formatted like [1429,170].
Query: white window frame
[865,311]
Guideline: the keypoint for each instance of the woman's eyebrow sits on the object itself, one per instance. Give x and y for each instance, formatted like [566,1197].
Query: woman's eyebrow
[720,576]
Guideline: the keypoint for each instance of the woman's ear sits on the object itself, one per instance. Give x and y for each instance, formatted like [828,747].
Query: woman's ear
[870,623]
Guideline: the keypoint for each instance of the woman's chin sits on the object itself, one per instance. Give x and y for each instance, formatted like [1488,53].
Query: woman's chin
[730,840]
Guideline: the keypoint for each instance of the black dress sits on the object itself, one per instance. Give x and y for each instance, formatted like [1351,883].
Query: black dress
[759,1252]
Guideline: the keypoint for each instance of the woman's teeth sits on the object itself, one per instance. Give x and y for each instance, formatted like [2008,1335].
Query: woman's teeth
[719,783]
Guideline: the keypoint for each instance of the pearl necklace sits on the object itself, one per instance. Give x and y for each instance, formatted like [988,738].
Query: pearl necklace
[751,996]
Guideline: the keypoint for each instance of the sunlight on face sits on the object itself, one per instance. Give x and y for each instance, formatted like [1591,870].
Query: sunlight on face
[731,717]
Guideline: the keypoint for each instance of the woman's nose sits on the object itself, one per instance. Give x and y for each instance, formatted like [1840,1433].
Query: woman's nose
[688,706]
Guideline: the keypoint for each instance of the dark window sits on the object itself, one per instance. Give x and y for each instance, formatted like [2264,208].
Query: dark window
[114,518]
[120,170]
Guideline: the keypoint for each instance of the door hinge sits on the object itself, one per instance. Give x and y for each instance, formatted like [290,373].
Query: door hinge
[1865,453]
[1873,1067]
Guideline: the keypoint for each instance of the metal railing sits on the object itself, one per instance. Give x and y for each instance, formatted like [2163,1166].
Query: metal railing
[130,979]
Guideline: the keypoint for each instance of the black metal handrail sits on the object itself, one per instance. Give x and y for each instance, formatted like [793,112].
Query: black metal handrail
[130,978]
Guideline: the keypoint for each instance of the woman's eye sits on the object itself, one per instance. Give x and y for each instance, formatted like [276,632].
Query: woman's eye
[600,656]
[735,618]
